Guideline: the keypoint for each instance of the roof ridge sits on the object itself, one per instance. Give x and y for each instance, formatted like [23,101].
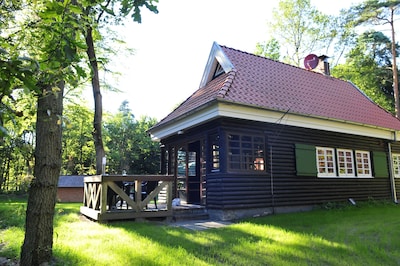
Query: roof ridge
[227,83]
[280,62]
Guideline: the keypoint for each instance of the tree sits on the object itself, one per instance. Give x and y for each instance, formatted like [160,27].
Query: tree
[17,142]
[120,140]
[379,12]
[129,146]
[78,147]
[57,54]
[269,49]
[48,32]
[368,66]
[301,29]
[147,151]
[99,12]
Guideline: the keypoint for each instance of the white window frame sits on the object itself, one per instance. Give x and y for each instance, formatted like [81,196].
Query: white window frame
[362,166]
[323,163]
[396,164]
[345,163]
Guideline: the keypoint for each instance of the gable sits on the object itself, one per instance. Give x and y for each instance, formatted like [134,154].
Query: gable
[217,63]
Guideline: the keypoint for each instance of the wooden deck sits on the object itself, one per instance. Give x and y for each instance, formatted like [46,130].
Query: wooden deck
[100,190]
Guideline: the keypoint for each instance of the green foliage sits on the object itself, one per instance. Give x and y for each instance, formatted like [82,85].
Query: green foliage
[78,147]
[372,12]
[368,66]
[51,35]
[16,146]
[382,12]
[268,49]
[133,8]
[301,29]
[45,34]
[129,147]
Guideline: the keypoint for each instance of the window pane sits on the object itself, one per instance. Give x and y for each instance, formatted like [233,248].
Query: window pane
[396,165]
[346,165]
[214,142]
[246,152]
[363,164]
[325,162]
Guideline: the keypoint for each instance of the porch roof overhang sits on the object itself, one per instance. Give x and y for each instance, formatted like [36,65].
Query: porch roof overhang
[221,108]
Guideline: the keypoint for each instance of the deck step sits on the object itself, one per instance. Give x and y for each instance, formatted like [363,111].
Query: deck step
[189,212]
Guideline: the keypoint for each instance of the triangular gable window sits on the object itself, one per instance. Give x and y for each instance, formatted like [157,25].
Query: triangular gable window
[219,70]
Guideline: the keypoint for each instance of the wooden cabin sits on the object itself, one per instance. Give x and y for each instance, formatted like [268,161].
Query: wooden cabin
[260,136]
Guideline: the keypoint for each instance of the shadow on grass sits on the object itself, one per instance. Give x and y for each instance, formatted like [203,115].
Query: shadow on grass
[246,244]
[352,236]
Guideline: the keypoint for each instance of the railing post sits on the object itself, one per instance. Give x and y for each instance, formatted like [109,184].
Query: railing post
[169,195]
[103,196]
[138,192]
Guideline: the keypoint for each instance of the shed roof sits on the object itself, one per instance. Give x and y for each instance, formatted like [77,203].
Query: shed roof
[259,82]
[70,181]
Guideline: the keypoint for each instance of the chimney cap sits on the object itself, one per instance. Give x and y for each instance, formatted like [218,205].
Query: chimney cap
[323,57]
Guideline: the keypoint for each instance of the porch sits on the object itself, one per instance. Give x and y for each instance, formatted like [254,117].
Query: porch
[119,197]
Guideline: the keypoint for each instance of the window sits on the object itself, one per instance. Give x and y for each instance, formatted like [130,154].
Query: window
[218,71]
[363,164]
[331,162]
[396,165]
[214,142]
[245,152]
[326,162]
[345,163]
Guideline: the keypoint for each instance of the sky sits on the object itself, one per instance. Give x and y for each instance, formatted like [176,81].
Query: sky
[171,49]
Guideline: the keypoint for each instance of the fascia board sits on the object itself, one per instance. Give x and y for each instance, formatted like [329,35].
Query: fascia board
[320,123]
[225,109]
[185,123]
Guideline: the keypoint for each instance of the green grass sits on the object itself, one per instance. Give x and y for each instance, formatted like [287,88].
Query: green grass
[367,234]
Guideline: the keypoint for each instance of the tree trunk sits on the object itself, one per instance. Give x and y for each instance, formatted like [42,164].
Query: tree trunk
[38,242]
[394,66]
[98,106]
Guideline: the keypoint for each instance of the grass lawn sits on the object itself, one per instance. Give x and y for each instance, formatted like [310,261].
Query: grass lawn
[367,234]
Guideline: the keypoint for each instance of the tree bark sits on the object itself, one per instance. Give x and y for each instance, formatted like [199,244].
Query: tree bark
[98,106]
[394,65]
[38,242]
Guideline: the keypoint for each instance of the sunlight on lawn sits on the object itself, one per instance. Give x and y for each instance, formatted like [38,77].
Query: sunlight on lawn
[100,244]
[336,237]
[277,245]
[12,239]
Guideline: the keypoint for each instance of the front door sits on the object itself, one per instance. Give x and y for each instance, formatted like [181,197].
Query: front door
[188,175]
[194,173]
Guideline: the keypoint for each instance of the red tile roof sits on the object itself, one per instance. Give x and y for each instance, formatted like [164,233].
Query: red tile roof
[268,84]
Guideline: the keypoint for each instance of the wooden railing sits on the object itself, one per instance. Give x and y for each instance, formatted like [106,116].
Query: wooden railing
[102,191]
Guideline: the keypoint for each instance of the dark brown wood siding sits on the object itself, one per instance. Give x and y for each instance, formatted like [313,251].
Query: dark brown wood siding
[279,185]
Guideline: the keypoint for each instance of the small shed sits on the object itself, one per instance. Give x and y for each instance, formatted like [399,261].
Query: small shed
[70,188]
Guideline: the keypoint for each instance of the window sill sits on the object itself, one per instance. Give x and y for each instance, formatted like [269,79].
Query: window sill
[346,177]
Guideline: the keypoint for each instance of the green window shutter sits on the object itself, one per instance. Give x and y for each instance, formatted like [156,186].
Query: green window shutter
[380,164]
[306,161]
